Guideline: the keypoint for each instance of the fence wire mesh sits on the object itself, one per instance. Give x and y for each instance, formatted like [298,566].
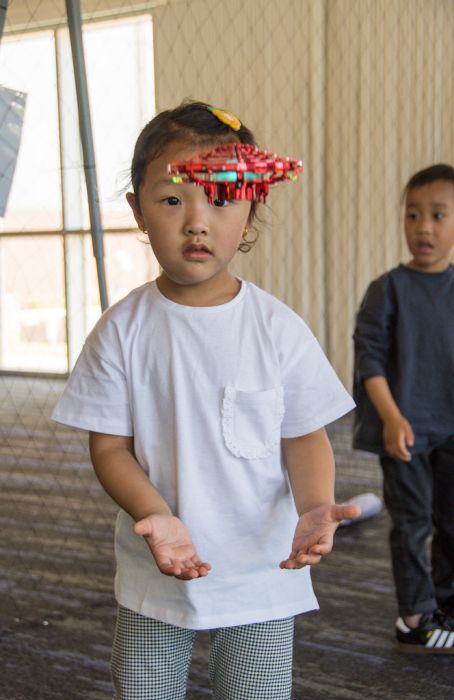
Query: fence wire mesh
[361,90]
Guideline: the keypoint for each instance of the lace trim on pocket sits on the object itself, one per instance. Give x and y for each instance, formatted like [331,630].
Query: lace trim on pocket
[259,451]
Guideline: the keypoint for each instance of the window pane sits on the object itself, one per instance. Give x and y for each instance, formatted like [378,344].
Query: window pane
[129,263]
[119,60]
[32,304]
[28,64]
[39,313]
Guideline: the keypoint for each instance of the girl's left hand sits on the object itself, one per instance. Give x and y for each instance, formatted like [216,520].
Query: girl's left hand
[314,534]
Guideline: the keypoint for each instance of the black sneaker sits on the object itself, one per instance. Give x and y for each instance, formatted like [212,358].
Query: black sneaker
[434,635]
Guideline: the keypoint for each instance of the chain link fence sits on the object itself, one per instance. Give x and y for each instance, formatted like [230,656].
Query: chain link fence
[361,90]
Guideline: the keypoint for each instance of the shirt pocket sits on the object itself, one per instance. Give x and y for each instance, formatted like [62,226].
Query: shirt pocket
[251,421]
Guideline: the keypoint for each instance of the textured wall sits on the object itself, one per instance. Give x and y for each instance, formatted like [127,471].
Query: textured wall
[362,90]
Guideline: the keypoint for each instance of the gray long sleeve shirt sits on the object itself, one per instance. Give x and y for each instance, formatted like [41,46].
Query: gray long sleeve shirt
[405,332]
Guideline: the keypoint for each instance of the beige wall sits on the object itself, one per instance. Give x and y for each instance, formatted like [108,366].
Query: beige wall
[390,111]
[258,60]
[362,90]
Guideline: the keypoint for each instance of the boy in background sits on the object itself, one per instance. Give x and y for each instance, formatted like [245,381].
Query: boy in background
[404,390]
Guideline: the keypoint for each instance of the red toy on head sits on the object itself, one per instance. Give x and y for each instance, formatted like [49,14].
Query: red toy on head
[236,171]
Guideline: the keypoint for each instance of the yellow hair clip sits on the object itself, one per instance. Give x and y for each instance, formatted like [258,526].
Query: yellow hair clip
[226,118]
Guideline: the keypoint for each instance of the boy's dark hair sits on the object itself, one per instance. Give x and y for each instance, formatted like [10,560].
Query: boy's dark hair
[193,123]
[439,171]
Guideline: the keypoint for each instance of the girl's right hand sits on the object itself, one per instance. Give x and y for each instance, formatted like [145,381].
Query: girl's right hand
[397,434]
[171,546]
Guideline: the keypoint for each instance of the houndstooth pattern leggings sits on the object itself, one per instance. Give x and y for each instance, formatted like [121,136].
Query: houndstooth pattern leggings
[151,659]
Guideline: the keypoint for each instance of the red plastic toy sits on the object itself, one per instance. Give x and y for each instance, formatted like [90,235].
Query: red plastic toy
[235,171]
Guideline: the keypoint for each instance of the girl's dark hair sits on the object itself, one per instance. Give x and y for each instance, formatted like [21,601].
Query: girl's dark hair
[192,123]
[439,171]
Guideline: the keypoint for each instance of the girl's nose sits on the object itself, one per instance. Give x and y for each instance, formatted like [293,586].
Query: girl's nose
[196,222]
[195,229]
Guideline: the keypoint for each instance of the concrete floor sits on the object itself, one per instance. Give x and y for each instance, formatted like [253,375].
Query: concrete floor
[56,569]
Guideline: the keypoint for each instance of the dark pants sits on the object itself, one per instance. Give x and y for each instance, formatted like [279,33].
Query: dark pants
[419,496]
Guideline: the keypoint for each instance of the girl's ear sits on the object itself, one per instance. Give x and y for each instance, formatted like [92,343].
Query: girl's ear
[134,204]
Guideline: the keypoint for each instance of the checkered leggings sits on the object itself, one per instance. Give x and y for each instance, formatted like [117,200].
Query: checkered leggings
[151,659]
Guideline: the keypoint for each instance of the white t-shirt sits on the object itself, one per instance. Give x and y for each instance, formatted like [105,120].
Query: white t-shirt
[207,393]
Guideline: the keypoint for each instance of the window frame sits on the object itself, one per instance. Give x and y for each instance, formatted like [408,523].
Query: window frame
[76,271]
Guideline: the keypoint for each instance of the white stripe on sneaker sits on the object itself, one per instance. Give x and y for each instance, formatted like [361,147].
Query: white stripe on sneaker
[433,638]
[441,639]
[450,640]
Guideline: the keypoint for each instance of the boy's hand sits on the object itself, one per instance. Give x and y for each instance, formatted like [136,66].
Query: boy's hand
[171,546]
[397,434]
[314,534]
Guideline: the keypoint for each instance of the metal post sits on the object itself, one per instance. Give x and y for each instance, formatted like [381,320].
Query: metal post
[86,135]
[3,9]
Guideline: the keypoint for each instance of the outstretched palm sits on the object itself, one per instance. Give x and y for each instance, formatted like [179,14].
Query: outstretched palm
[171,546]
[314,534]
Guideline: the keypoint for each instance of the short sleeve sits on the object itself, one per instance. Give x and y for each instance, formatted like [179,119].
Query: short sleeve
[96,396]
[313,394]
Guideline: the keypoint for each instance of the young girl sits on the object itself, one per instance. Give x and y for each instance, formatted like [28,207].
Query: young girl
[205,399]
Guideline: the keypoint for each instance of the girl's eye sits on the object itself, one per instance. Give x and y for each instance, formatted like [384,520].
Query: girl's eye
[438,216]
[172,201]
[221,202]
[411,216]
